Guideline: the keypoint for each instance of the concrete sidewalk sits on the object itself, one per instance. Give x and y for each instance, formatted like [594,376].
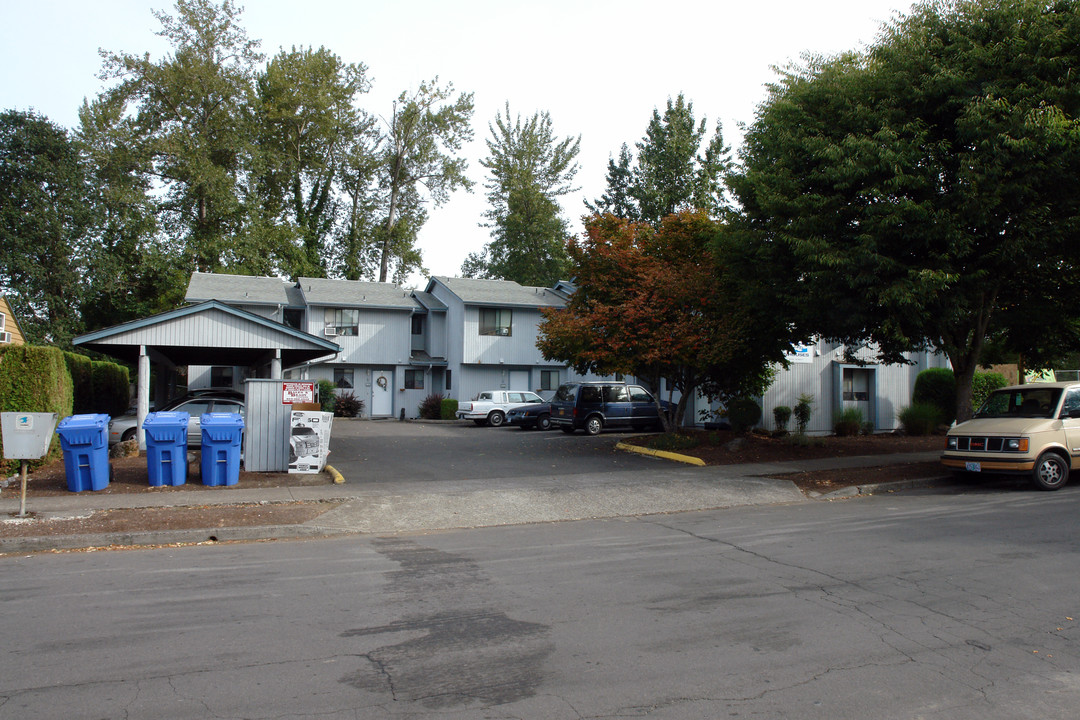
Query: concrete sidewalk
[405,507]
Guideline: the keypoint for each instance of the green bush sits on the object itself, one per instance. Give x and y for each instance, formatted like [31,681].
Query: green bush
[743,414]
[431,407]
[804,409]
[848,421]
[920,418]
[34,379]
[82,382]
[937,386]
[347,404]
[111,392]
[449,409]
[327,396]
[983,384]
[781,416]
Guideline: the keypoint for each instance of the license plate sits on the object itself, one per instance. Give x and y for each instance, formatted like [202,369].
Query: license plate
[973,467]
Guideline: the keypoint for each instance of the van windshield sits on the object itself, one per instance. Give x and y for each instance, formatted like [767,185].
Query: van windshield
[1028,403]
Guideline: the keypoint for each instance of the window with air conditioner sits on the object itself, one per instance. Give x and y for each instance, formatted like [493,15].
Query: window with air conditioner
[342,321]
[496,321]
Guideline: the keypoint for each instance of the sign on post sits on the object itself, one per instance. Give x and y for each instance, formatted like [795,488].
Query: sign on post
[27,435]
[294,393]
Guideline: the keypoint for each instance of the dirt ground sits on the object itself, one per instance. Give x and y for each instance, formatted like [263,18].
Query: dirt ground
[129,475]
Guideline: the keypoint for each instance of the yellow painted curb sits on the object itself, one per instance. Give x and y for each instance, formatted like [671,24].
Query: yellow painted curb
[338,477]
[661,454]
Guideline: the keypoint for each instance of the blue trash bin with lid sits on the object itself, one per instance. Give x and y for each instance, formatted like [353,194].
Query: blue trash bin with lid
[166,447]
[84,440]
[221,436]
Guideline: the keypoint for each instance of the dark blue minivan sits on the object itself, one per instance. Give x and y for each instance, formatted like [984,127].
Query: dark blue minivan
[593,406]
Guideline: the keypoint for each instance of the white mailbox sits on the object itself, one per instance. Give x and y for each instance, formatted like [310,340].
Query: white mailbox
[27,435]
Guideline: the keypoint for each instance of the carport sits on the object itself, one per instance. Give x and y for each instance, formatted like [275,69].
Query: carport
[208,333]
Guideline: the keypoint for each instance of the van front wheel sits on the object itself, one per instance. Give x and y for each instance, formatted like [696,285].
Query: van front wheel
[1051,471]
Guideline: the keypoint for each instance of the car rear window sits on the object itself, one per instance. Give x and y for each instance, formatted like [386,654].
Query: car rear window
[566,393]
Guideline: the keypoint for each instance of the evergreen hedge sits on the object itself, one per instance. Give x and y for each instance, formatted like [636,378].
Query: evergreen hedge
[35,379]
[82,382]
[111,388]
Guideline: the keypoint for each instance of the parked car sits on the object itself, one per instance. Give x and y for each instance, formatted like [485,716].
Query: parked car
[490,406]
[593,406]
[1021,429]
[194,403]
[530,416]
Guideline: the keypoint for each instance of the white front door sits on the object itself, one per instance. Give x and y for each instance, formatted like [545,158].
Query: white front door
[519,380]
[382,393]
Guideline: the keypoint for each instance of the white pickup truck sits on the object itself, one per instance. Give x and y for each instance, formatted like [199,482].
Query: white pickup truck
[490,406]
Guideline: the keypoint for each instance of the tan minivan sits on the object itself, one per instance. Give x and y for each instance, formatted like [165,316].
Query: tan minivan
[1032,428]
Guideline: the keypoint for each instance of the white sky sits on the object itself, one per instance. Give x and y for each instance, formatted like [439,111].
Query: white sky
[599,67]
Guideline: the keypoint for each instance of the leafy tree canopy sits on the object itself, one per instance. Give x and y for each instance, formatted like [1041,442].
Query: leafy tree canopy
[926,193]
[660,303]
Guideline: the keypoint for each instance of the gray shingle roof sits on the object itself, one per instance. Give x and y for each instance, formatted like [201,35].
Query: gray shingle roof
[237,289]
[429,301]
[500,292]
[353,293]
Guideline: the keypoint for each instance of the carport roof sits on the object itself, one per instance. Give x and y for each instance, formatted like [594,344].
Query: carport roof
[209,333]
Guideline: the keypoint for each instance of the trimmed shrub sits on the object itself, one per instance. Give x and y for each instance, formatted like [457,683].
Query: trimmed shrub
[937,386]
[848,421]
[111,388]
[448,409]
[82,382]
[983,384]
[34,379]
[743,414]
[804,409]
[431,407]
[781,416]
[347,405]
[327,395]
[920,418]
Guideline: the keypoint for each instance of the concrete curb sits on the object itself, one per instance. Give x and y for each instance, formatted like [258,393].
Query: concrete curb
[46,543]
[337,477]
[660,454]
[881,488]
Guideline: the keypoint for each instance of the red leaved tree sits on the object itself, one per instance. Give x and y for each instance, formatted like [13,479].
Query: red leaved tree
[657,303]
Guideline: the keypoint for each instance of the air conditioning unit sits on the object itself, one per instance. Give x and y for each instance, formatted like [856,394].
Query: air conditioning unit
[5,337]
[330,330]
[504,331]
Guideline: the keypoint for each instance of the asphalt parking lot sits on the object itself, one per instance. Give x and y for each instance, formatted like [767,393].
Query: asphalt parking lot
[373,451]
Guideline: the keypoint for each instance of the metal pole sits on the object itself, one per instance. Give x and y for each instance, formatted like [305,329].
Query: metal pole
[22,501]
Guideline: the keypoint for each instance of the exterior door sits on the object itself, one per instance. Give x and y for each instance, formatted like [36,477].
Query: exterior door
[382,393]
[519,380]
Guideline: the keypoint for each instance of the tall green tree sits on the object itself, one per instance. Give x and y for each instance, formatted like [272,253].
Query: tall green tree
[131,270]
[46,222]
[529,169]
[190,112]
[672,173]
[307,125]
[926,192]
[418,161]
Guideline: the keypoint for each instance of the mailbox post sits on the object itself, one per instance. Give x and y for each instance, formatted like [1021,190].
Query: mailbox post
[26,437]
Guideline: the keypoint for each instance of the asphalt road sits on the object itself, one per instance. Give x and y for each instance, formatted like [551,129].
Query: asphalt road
[932,604]
[385,451]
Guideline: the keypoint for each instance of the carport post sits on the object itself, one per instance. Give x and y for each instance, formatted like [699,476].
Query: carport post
[275,365]
[143,394]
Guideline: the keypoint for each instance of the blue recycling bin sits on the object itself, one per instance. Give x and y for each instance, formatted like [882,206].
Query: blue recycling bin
[84,440]
[166,447]
[221,435]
